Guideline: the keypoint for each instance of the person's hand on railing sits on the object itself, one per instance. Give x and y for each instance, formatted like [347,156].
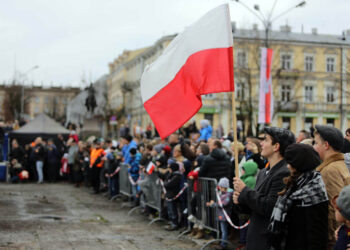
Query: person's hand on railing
[348,247]
[210,203]
[190,177]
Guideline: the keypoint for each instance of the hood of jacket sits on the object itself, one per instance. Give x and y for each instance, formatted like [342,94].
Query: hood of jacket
[250,168]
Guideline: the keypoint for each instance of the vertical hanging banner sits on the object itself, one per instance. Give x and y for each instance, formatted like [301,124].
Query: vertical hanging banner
[198,61]
[266,93]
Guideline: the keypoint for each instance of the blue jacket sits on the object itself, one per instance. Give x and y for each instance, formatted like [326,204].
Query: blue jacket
[205,133]
[126,153]
[135,166]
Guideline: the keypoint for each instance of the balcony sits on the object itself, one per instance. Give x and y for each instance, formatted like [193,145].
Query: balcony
[282,106]
[287,73]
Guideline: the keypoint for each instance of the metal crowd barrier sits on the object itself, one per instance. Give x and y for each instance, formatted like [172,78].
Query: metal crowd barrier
[124,182]
[206,217]
[151,195]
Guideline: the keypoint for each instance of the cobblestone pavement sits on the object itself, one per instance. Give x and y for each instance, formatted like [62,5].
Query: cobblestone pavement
[59,216]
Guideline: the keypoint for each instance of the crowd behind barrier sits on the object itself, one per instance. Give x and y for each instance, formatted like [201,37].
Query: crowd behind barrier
[184,180]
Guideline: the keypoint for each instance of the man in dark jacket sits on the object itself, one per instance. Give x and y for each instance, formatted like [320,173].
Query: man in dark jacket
[260,202]
[53,159]
[217,164]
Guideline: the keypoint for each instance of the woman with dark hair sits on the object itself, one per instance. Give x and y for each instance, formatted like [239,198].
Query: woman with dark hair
[300,216]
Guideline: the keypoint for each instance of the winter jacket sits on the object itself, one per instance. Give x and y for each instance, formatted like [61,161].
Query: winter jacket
[335,176]
[250,169]
[260,202]
[307,227]
[53,156]
[18,153]
[126,151]
[96,157]
[72,150]
[194,174]
[215,165]
[173,185]
[205,133]
[343,238]
[135,166]
[39,152]
[226,200]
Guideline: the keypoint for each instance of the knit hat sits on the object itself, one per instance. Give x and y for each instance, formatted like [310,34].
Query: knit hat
[174,167]
[224,182]
[343,202]
[332,135]
[302,157]
[167,149]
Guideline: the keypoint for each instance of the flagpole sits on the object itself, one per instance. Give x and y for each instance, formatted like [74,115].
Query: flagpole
[234,118]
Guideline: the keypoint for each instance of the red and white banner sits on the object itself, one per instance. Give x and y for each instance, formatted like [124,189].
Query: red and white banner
[150,168]
[266,92]
[198,61]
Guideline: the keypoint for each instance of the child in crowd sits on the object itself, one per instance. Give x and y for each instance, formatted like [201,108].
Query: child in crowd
[134,171]
[249,171]
[342,215]
[226,199]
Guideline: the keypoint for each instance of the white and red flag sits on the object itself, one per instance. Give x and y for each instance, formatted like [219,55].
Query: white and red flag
[198,61]
[150,168]
[266,92]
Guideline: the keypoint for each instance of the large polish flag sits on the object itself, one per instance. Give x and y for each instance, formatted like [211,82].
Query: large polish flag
[266,94]
[198,61]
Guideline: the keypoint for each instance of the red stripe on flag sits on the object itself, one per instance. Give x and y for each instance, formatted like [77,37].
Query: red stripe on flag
[207,71]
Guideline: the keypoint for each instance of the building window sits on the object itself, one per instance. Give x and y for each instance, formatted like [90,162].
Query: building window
[286,122]
[46,100]
[330,94]
[330,121]
[209,96]
[309,63]
[285,93]
[330,64]
[36,110]
[308,123]
[209,117]
[309,92]
[239,91]
[286,61]
[241,59]
[37,99]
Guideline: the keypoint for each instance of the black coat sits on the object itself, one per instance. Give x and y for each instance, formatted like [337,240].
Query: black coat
[307,227]
[216,165]
[19,154]
[260,202]
[173,185]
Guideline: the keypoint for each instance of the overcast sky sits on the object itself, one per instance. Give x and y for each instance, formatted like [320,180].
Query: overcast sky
[68,39]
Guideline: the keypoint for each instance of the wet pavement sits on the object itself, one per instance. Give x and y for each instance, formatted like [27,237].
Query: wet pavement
[59,216]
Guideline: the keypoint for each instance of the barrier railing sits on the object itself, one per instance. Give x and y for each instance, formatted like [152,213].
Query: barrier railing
[124,182]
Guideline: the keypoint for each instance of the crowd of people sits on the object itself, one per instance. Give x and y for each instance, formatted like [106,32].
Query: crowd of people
[294,191]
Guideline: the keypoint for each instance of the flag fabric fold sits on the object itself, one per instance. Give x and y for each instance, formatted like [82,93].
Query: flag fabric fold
[266,94]
[198,61]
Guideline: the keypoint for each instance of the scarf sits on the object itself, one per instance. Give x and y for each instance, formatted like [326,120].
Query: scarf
[309,190]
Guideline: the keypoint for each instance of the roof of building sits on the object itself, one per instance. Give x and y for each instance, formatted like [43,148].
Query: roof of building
[292,36]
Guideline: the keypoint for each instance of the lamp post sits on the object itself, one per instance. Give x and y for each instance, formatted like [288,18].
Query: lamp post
[22,90]
[269,19]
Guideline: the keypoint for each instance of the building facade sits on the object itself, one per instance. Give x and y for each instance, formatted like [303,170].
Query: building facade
[310,73]
[52,101]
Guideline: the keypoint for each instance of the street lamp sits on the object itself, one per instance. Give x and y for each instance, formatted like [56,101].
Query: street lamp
[22,91]
[267,21]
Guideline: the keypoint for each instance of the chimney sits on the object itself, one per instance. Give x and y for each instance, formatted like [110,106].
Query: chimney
[285,28]
[314,31]
[255,26]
